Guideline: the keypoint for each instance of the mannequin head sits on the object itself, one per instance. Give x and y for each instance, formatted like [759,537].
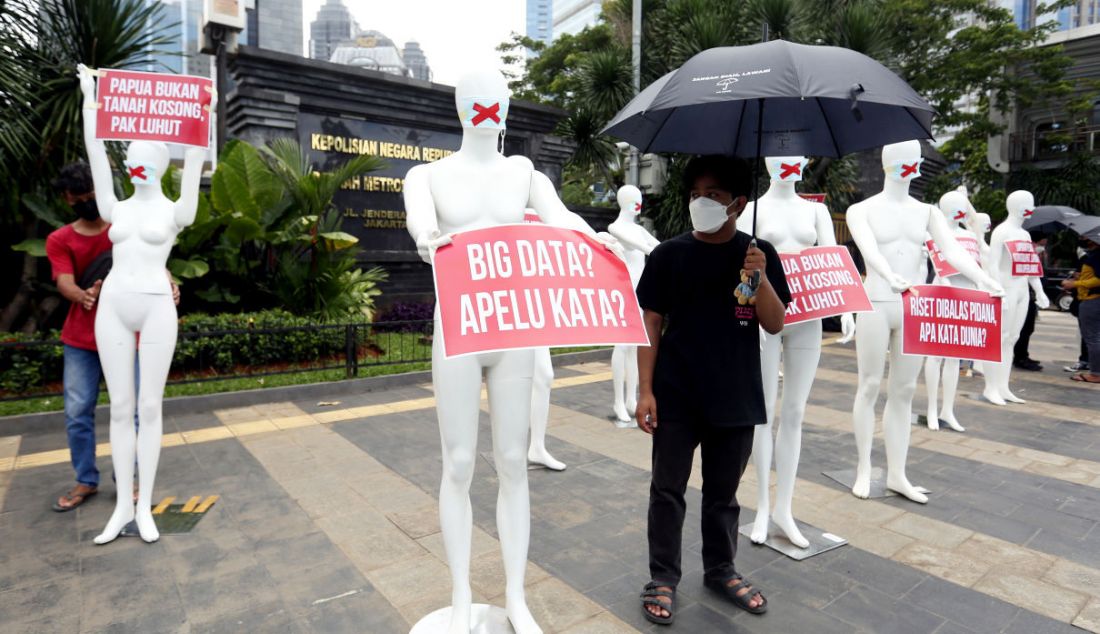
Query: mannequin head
[1020,205]
[983,223]
[786,169]
[146,162]
[901,161]
[481,98]
[955,208]
[630,200]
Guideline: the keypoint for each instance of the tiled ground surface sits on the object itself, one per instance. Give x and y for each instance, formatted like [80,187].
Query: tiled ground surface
[327,521]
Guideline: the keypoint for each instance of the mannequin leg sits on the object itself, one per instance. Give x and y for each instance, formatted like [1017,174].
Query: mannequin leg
[158,342]
[116,345]
[458,396]
[802,350]
[950,388]
[510,408]
[762,435]
[540,411]
[932,366]
[1013,324]
[902,384]
[872,339]
[618,382]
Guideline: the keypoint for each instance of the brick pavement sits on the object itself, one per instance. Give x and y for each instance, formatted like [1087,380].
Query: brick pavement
[327,521]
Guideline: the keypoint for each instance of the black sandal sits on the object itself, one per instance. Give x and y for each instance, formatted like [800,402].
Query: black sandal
[74,498]
[650,597]
[740,600]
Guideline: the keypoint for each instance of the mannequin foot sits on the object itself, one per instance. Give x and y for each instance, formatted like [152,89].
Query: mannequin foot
[1012,398]
[901,486]
[790,529]
[520,617]
[760,528]
[460,616]
[933,422]
[631,405]
[993,397]
[122,516]
[952,422]
[544,458]
[621,412]
[862,487]
[147,527]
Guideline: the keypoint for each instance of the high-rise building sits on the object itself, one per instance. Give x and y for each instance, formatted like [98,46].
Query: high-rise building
[1079,13]
[279,23]
[371,49]
[572,16]
[416,61]
[540,20]
[332,27]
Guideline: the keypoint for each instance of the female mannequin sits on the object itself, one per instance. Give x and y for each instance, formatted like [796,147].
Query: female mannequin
[791,224]
[1020,204]
[889,228]
[956,210]
[137,297]
[474,188]
[637,244]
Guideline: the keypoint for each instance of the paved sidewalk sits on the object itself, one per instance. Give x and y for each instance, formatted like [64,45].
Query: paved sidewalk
[326,521]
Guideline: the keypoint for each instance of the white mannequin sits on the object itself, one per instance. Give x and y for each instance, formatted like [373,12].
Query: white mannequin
[956,210]
[542,380]
[137,297]
[889,228]
[474,188]
[637,244]
[1020,204]
[790,223]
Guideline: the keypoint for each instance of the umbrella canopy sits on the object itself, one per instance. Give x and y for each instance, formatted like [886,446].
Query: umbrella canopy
[1085,226]
[808,100]
[1050,218]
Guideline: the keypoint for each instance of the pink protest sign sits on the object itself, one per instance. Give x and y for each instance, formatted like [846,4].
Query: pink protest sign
[532,285]
[814,198]
[140,106]
[823,282]
[946,321]
[942,266]
[1025,261]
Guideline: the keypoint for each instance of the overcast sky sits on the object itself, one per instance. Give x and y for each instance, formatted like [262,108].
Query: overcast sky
[456,35]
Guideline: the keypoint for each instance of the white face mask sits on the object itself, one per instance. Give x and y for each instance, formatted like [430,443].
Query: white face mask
[707,215]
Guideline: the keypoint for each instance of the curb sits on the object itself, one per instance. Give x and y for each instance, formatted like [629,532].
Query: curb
[180,405]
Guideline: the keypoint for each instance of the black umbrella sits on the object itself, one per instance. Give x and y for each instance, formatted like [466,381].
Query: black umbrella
[1050,218]
[807,100]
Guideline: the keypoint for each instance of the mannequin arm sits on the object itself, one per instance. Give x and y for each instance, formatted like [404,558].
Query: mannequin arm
[420,217]
[1041,299]
[630,241]
[188,202]
[826,237]
[97,152]
[551,210]
[865,239]
[956,255]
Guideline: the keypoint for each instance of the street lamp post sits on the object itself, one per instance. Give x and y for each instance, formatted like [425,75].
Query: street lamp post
[636,58]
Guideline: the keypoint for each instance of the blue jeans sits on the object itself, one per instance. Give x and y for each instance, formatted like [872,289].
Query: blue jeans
[81,388]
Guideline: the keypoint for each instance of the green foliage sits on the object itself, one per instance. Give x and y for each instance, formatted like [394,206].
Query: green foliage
[28,361]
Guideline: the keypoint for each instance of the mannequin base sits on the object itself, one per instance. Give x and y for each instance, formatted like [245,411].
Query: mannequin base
[922,420]
[623,424]
[820,541]
[484,619]
[978,396]
[847,478]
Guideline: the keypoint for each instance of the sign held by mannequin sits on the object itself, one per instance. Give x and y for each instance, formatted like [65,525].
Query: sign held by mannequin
[946,321]
[141,106]
[942,266]
[824,282]
[1025,261]
[531,285]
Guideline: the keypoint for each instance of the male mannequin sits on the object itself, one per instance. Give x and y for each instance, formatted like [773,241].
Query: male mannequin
[136,297]
[1020,205]
[637,244]
[790,223]
[956,210]
[474,188]
[889,228]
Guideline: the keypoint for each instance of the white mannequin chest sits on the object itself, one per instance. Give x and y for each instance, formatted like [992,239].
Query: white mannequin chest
[789,225]
[469,194]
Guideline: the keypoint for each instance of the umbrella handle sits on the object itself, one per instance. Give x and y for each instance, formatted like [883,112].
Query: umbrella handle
[754,279]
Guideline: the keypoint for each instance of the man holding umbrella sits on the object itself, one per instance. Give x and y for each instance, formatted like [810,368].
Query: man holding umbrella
[700,377]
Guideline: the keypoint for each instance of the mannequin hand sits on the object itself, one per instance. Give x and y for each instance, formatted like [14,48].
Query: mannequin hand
[611,243]
[646,412]
[213,97]
[991,286]
[87,83]
[428,242]
[898,284]
[847,327]
[1042,301]
[91,295]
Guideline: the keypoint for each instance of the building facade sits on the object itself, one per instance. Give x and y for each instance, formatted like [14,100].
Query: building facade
[332,26]
[1078,14]
[335,36]
[540,20]
[572,16]
[416,61]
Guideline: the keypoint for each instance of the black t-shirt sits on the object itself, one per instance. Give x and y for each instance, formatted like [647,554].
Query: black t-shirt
[708,360]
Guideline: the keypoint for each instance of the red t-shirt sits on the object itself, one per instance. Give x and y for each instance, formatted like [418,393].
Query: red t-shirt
[71,252]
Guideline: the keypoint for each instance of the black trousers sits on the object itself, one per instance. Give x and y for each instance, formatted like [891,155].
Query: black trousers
[1019,353]
[725,452]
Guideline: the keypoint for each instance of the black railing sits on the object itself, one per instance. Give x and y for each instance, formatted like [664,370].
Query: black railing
[30,369]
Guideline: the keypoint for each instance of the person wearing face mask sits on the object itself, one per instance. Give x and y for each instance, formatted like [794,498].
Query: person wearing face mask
[1086,283]
[705,294]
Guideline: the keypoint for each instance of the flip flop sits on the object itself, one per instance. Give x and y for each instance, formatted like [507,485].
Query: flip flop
[75,499]
[1084,378]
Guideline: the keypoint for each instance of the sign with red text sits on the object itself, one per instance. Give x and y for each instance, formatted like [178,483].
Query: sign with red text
[531,285]
[823,282]
[942,266]
[140,106]
[946,321]
[1025,261]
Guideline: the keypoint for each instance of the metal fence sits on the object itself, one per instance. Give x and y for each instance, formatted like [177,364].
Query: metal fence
[31,369]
